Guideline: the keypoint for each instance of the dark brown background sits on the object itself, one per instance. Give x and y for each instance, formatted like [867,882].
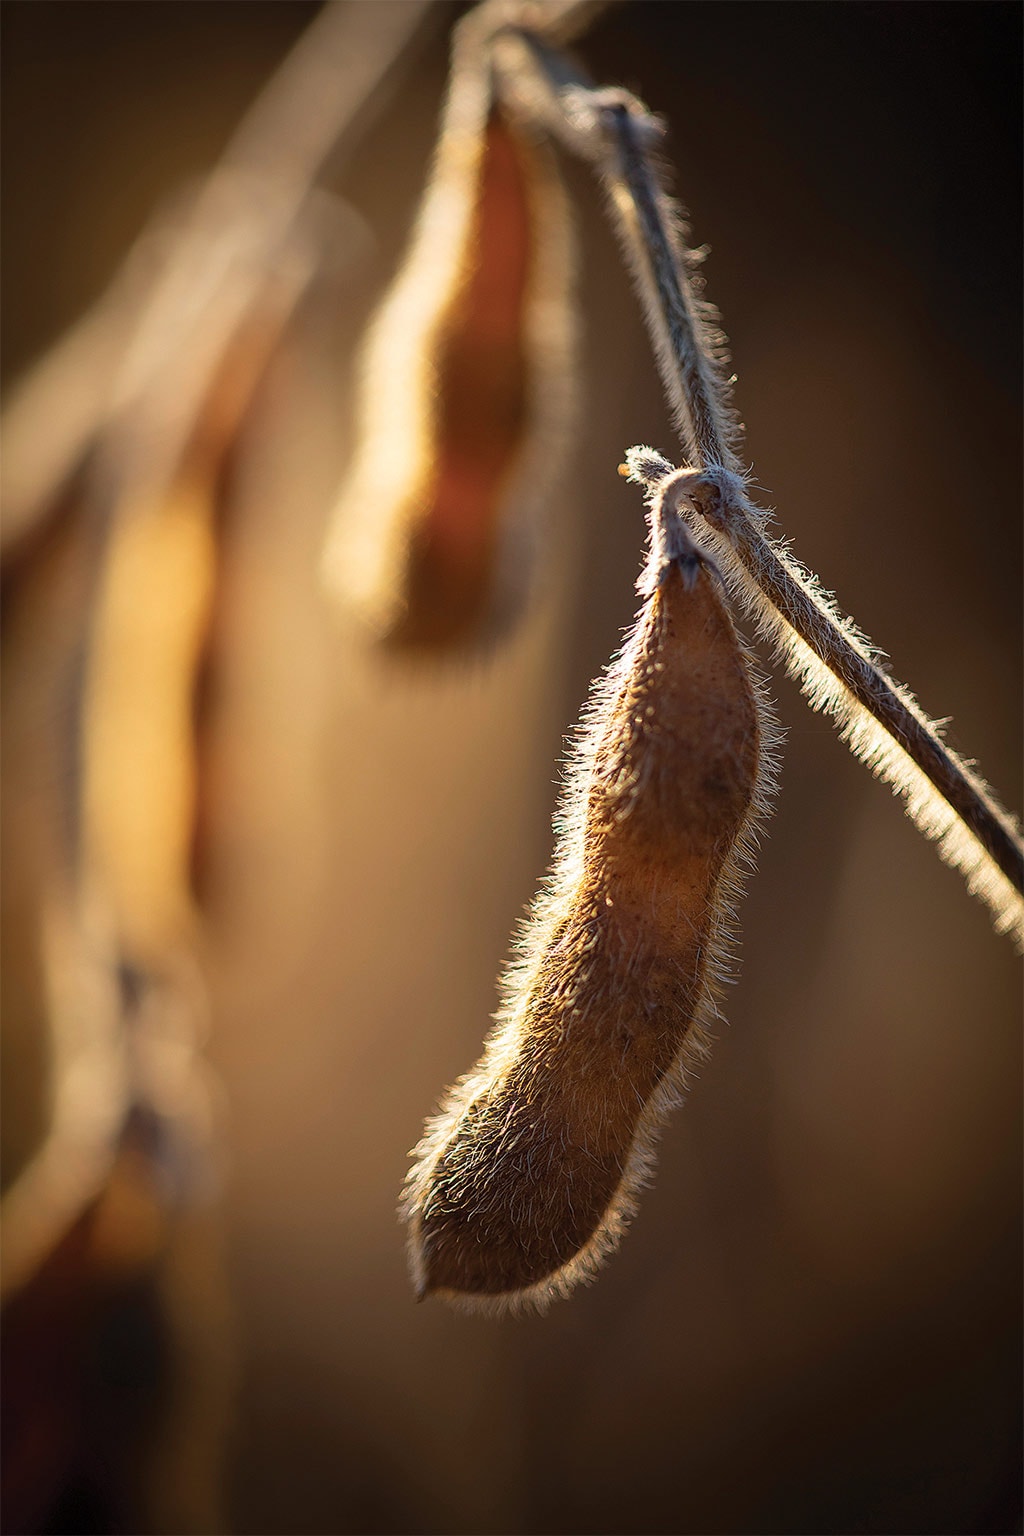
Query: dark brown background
[814,1323]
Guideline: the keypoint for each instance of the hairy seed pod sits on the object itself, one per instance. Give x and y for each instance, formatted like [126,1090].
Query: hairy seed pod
[465,391]
[526,1178]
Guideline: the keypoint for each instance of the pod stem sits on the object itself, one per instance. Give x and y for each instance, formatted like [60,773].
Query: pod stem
[823,650]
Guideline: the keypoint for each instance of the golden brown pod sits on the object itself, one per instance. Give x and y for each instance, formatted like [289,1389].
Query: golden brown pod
[146,666]
[465,393]
[526,1177]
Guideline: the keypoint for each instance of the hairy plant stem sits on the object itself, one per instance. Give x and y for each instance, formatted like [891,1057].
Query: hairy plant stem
[831,660]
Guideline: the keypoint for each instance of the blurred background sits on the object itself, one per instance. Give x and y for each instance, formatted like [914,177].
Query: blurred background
[814,1324]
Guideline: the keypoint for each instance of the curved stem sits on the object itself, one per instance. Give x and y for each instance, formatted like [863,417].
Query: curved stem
[822,649]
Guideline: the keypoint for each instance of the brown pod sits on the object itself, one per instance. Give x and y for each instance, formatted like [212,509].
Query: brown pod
[526,1178]
[145,667]
[465,392]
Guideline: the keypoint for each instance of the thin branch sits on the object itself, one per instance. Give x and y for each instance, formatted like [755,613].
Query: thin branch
[318,103]
[153,342]
[833,663]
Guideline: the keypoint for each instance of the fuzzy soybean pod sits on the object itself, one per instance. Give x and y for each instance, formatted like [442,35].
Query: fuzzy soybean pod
[527,1177]
[466,392]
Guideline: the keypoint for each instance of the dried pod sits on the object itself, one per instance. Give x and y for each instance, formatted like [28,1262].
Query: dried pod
[526,1178]
[145,667]
[139,726]
[465,392]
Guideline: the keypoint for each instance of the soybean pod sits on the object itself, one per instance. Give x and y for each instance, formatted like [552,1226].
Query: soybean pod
[526,1178]
[466,395]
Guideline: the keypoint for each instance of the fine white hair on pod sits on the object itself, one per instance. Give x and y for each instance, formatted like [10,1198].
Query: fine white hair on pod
[527,1177]
[945,797]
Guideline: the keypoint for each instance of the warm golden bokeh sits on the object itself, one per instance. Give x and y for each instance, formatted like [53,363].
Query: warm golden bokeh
[813,1324]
